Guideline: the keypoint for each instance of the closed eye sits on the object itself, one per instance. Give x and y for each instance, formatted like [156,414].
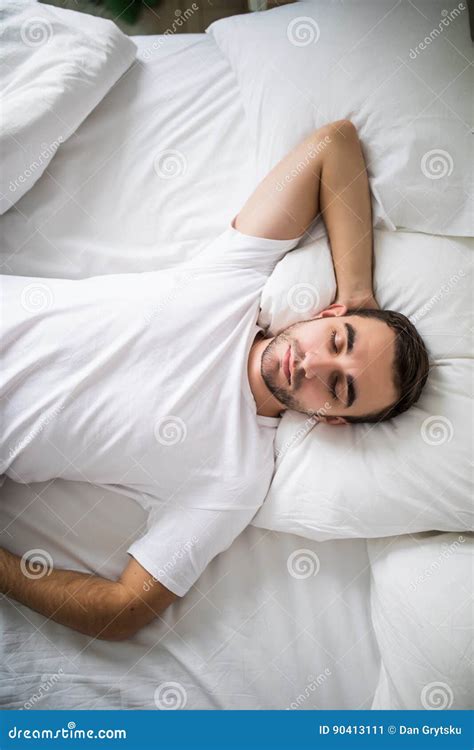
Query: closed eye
[349,380]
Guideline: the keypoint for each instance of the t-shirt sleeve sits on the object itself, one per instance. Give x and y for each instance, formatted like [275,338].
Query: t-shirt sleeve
[181,542]
[245,251]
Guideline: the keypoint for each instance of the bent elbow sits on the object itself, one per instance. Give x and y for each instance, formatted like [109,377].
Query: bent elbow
[118,628]
[129,613]
[119,635]
[126,626]
[116,633]
[343,129]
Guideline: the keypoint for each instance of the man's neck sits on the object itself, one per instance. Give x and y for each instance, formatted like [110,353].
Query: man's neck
[267,404]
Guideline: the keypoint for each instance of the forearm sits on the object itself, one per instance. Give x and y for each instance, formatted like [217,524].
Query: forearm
[346,209]
[86,603]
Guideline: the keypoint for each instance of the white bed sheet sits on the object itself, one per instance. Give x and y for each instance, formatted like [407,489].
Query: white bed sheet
[102,208]
[249,635]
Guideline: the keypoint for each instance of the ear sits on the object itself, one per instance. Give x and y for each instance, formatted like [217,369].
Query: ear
[333,311]
[333,420]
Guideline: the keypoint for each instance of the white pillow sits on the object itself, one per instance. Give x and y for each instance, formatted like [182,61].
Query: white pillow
[309,63]
[56,65]
[411,473]
[421,587]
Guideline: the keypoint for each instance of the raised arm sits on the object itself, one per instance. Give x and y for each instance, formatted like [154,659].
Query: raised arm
[326,174]
[98,607]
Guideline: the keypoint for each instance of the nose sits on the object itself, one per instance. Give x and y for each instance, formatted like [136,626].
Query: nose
[318,364]
[321,364]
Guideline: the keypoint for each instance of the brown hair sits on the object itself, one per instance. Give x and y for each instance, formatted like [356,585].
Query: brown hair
[410,367]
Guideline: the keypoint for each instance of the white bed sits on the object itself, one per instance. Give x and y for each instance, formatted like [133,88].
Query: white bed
[249,635]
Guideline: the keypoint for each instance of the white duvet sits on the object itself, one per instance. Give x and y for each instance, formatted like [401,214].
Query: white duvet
[54,72]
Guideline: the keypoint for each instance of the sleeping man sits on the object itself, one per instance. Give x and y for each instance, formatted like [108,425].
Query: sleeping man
[161,385]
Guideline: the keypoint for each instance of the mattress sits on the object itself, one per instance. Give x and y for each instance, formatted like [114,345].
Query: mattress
[249,635]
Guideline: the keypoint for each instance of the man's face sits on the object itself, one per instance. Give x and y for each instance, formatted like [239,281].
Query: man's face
[339,365]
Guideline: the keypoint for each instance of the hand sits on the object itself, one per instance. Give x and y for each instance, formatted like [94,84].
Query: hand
[358,300]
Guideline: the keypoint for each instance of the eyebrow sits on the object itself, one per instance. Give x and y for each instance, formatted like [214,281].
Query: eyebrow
[351,335]
[351,391]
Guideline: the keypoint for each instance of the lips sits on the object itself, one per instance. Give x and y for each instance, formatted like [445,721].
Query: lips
[286,364]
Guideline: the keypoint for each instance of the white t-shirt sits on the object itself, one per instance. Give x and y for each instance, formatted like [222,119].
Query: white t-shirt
[139,382]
